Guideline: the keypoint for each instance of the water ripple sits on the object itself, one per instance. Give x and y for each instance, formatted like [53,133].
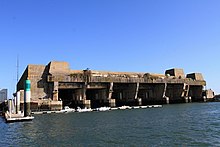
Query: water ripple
[196,124]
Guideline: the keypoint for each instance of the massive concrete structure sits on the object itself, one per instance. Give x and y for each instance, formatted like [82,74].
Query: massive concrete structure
[56,85]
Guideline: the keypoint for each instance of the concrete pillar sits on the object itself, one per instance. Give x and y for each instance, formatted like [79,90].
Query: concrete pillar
[120,95]
[110,90]
[185,92]
[10,106]
[84,87]
[15,103]
[186,99]
[110,100]
[139,101]
[190,99]
[112,103]
[146,95]
[86,103]
[165,89]
[167,99]
[136,91]
[18,101]
[27,98]
[78,95]
[55,91]
[187,89]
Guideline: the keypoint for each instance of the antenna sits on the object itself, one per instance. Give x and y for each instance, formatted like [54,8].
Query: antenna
[17,67]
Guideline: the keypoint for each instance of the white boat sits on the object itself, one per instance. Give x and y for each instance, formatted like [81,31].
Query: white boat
[67,109]
[83,109]
[136,107]
[143,107]
[157,106]
[115,108]
[124,107]
[103,109]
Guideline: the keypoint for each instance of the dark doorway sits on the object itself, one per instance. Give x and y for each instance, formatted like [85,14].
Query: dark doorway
[96,98]
[67,96]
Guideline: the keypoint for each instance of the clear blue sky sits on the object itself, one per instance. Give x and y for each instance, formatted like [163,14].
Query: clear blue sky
[113,35]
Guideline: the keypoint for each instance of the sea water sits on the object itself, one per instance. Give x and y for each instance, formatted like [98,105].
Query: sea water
[192,124]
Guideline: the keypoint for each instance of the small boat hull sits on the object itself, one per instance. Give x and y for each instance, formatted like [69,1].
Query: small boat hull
[19,119]
[16,117]
[83,110]
[103,109]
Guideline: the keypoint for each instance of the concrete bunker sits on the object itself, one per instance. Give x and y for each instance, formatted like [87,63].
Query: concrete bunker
[56,85]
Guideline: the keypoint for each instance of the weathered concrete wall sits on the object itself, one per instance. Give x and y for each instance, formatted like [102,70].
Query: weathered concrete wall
[35,73]
[195,76]
[124,94]
[151,93]
[40,88]
[209,94]
[175,93]
[97,97]
[58,67]
[37,76]
[195,92]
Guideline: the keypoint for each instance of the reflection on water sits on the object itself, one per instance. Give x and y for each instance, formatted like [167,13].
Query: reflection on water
[196,124]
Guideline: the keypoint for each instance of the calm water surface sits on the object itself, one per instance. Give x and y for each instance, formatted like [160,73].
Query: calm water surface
[195,124]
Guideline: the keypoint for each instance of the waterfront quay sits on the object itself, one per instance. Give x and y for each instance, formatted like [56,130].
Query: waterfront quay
[55,85]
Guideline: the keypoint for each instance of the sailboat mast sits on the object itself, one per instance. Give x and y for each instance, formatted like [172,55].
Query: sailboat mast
[17,97]
[17,68]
